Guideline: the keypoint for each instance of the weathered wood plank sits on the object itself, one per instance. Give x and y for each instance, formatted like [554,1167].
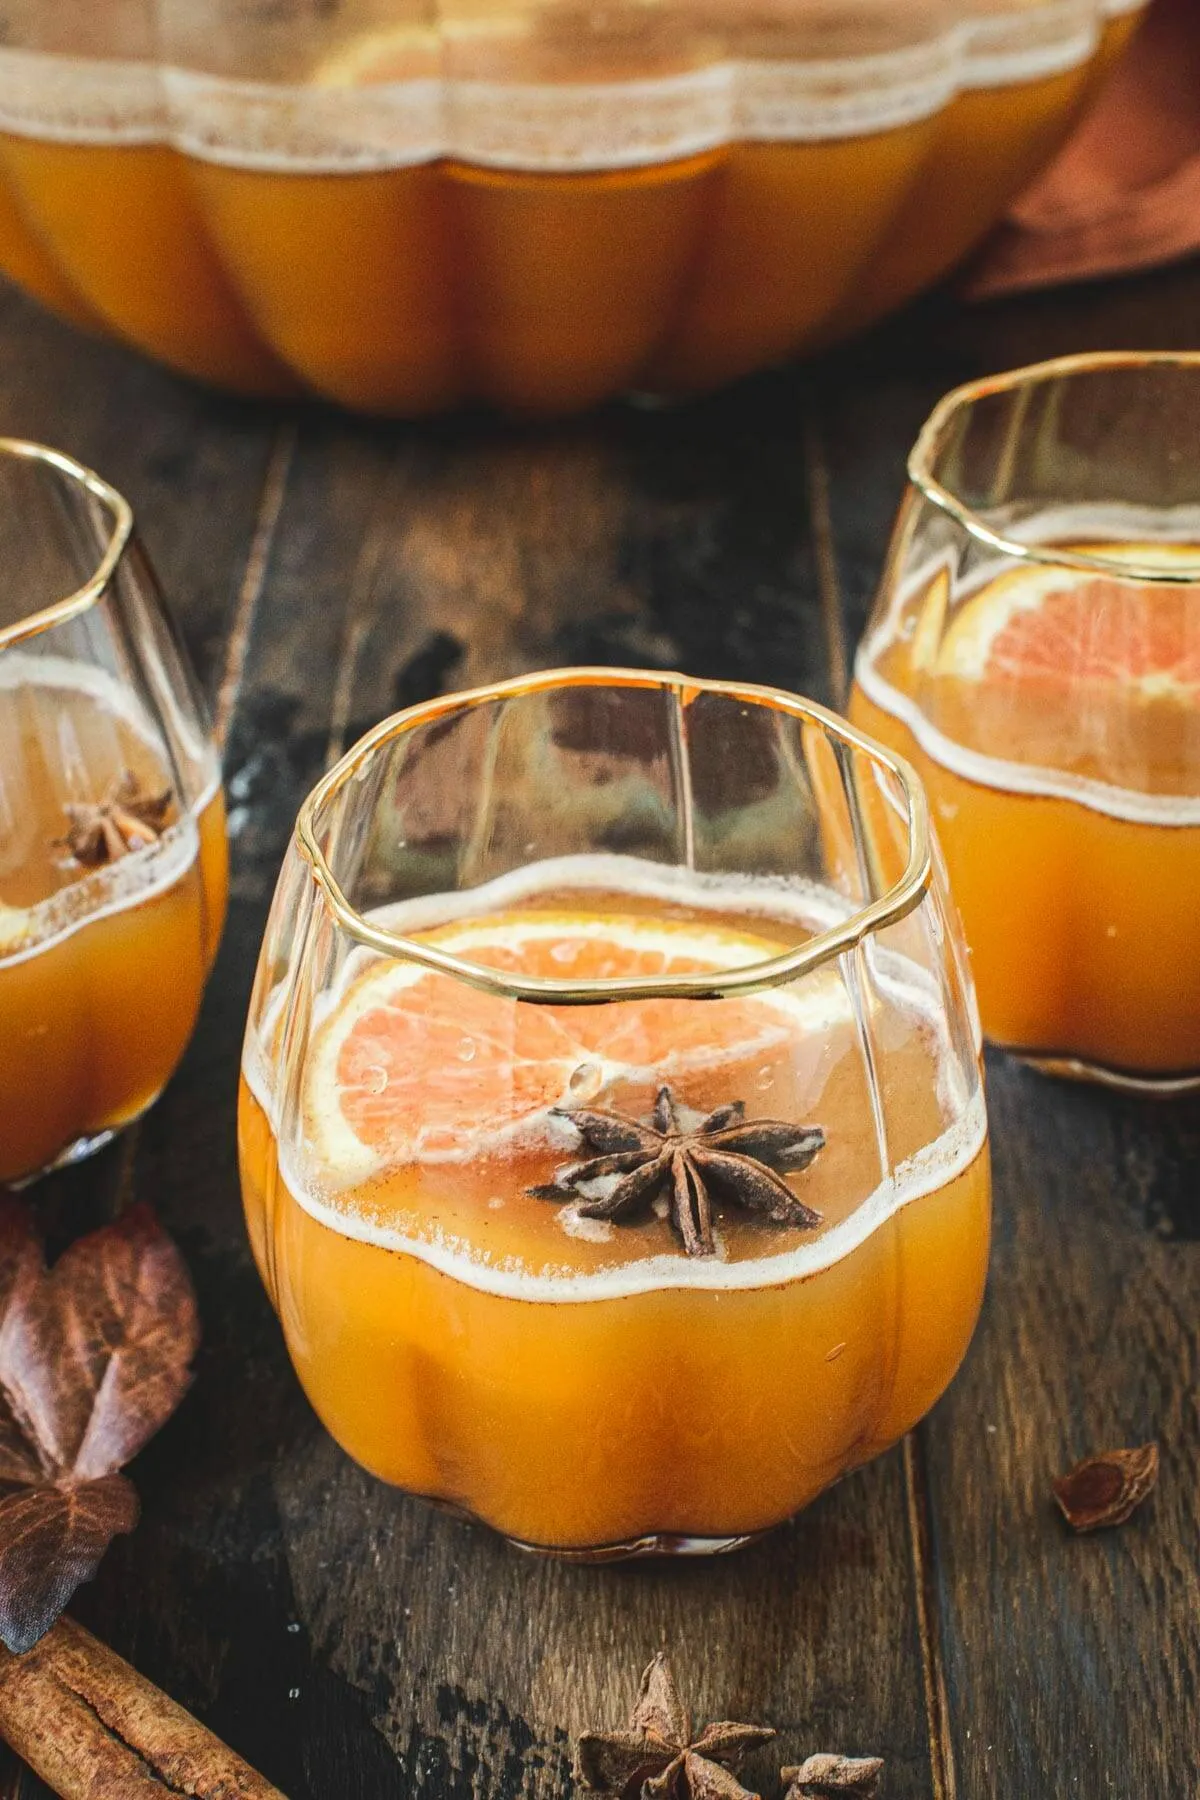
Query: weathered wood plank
[190,462]
[1073,1663]
[660,540]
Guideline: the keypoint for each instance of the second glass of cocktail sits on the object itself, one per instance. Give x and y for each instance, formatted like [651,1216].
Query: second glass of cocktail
[1035,649]
[612,1131]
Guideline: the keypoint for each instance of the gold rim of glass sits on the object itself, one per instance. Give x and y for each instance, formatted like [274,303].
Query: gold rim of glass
[923,459]
[899,900]
[71,605]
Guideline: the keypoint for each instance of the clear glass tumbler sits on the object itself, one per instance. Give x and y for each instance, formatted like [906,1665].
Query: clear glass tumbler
[612,1132]
[1035,649]
[112,824]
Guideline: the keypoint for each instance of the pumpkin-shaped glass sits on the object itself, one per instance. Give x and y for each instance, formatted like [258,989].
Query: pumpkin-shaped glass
[112,826]
[401,204]
[1035,649]
[612,1131]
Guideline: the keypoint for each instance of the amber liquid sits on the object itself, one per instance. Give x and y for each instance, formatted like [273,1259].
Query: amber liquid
[119,224]
[407,289]
[579,1386]
[547,292]
[988,144]
[1077,889]
[27,262]
[101,971]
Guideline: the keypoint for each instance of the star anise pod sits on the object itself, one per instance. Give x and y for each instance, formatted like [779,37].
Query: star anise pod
[127,818]
[658,1757]
[822,1777]
[726,1157]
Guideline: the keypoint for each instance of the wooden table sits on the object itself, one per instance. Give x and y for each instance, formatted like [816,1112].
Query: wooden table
[932,1609]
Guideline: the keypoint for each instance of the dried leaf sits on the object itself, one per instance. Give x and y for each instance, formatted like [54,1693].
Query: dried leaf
[51,1539]
[823,1776]
[1105,1489]
[94,1357]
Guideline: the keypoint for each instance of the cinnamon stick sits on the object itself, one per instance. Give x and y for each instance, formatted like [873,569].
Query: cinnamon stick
[94,1729]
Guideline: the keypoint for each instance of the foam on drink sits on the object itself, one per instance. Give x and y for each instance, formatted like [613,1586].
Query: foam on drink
[796,1021]
[99,727]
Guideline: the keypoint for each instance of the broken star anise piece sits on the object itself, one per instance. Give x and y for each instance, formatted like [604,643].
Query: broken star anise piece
[726,1157]
[658,1756]
[1104,1490]
[822,1776]
[127,818]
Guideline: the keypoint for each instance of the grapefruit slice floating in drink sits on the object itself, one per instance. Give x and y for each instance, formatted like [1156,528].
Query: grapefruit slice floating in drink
[414,1065]
[1054,631]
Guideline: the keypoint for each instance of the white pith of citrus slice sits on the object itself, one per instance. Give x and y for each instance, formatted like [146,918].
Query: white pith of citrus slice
[931,619]
[16,923]
[966,647]
[414,1066]
[408,50]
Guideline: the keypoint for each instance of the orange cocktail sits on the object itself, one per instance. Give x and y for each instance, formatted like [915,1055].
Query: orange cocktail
[538,205]
[119,224]
[112,849]
[1051,701]
[602,1199]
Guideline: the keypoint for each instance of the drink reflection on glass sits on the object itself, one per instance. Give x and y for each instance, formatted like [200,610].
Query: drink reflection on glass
[112,826]
[1035,650]
[612,1133]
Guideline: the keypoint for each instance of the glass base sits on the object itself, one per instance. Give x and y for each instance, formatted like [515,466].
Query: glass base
[655,1543]
[662,1543]
[79,1151]
[1125,1081]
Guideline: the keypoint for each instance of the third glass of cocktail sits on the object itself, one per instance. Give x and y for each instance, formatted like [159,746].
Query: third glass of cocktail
[612,1133]
[1036,651]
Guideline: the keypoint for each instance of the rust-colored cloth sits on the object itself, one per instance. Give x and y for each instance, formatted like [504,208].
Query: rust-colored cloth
[1125,192]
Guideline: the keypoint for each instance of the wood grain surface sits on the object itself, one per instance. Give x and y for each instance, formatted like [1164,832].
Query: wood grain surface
[932,1609]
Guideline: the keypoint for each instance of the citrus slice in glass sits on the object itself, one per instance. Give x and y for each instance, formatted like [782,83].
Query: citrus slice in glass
[413,1065]
[393,53]
[1058,631]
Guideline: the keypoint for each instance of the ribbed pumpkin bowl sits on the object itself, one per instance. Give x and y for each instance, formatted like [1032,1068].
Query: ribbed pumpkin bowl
[402,205]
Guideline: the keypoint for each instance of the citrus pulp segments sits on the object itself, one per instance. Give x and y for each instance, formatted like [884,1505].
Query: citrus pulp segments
[1041,622]
[461,1072]
[967,645]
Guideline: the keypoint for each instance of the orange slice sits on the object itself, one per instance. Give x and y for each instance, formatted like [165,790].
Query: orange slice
[393,54]
[1057,631]
[16,926]
[412,1065]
